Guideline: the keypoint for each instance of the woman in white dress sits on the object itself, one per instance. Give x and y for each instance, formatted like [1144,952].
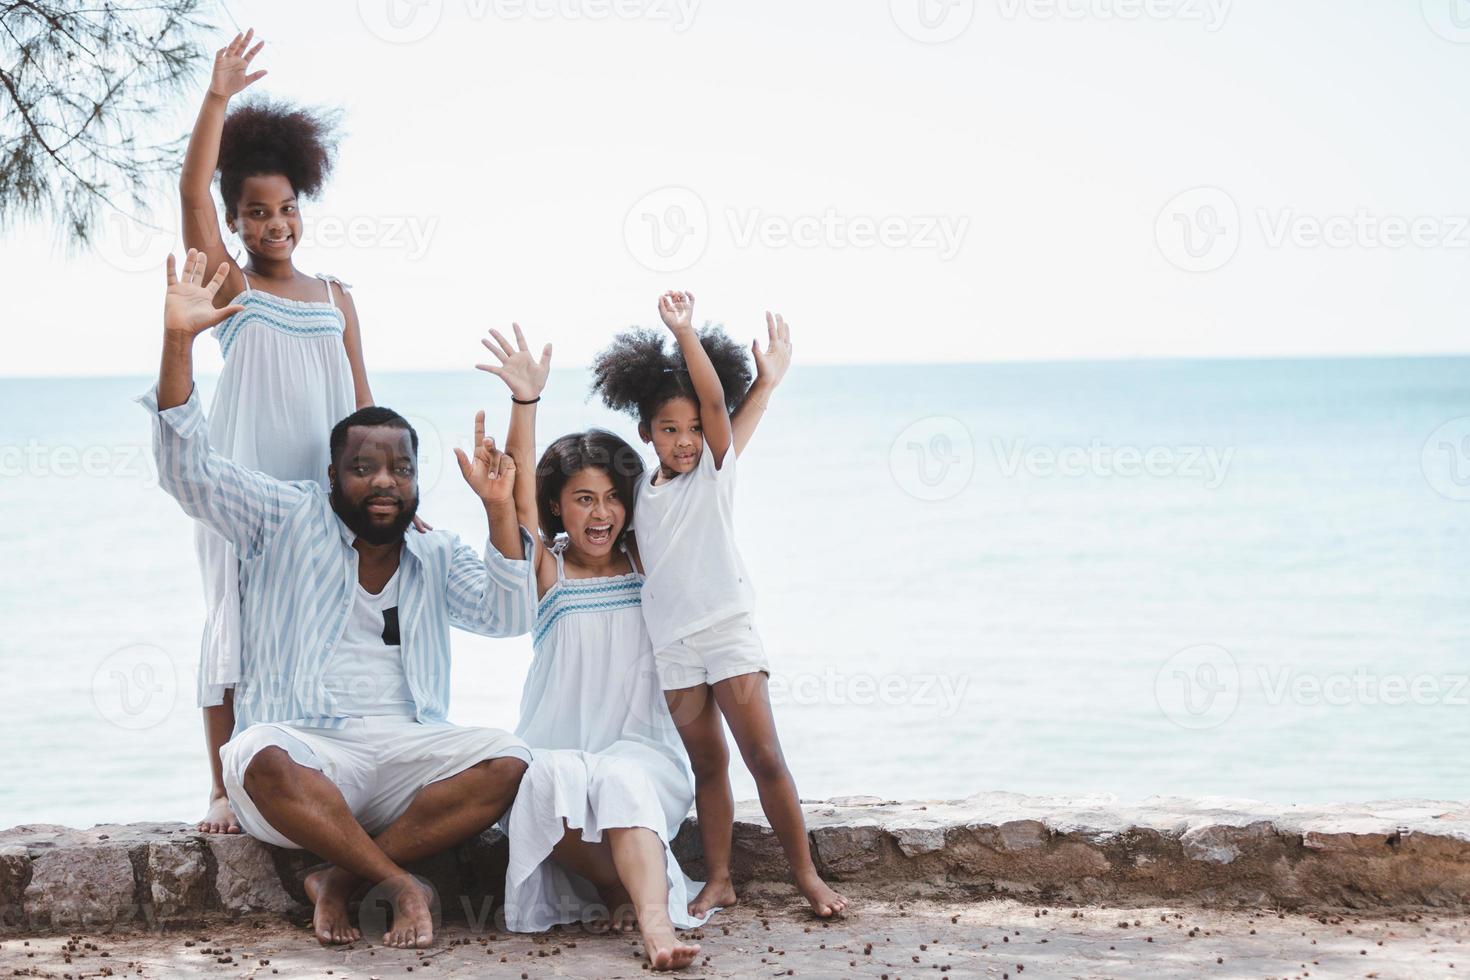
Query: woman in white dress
[293,356]
[609,784]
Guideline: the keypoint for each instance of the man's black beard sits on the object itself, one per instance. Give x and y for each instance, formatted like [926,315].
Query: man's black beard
[360,523]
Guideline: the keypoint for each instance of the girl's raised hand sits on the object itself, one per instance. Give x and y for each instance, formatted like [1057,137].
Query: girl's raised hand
[521,371]
[677,310]
[771,363]
[232,73]
[188,306]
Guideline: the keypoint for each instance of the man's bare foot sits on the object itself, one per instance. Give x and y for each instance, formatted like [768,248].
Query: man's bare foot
[824,901]
[413,917]
[664,949]
[330,889]
[714,895]
[220,819]
[621,915]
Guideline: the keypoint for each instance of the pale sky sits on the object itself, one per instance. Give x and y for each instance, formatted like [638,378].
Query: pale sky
[908,181]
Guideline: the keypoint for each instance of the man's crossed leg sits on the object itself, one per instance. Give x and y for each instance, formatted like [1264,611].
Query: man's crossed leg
[369,798]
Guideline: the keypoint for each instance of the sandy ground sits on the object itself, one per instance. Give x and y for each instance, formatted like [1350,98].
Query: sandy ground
[772,937]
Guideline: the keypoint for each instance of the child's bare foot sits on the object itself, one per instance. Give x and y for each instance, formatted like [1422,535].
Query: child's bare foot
[220,819]
[716,894]
[662,945]
[413,918]
[824,901]
[330,890]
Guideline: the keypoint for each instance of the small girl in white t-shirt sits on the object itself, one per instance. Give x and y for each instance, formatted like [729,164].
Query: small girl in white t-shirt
[697,597]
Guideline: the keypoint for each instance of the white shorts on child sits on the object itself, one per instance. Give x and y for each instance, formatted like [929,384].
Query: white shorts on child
[727,649]
[379,763]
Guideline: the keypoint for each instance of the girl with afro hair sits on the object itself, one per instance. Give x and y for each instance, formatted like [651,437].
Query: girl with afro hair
[697,598]
[293,356]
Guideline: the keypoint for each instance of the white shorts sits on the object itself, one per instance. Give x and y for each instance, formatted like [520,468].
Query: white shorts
[379,763]
[727,649]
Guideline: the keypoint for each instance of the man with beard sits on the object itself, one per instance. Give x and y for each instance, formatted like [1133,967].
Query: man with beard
[341,746]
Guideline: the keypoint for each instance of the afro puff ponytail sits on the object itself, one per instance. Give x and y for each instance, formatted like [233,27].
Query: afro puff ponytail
[638,373]
[266,137]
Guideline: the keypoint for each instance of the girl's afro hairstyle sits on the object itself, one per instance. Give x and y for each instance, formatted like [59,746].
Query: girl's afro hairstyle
[265,137]
[638,374]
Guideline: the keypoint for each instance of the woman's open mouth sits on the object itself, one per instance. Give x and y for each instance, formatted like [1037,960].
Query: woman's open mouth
[598,533]
[282,242]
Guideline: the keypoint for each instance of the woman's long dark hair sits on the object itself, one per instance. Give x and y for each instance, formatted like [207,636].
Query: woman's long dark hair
[575,452]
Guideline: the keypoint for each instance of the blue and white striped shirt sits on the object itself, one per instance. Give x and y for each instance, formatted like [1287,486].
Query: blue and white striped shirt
[298,578]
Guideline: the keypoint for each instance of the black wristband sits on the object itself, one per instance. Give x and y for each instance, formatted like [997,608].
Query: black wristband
[530,402]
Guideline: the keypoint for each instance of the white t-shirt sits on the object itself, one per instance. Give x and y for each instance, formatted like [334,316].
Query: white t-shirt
[686,538]
[365,675]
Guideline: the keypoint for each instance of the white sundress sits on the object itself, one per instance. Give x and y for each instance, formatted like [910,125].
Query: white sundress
[605,752]
[286,382]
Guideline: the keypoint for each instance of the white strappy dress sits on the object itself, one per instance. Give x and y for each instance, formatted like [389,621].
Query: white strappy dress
[605,752]
[286,382]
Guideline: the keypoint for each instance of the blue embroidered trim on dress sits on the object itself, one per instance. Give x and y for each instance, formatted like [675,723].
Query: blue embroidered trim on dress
[564,599]
[229,331]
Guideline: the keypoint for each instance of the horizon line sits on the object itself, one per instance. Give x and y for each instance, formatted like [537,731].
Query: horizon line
[1121,359]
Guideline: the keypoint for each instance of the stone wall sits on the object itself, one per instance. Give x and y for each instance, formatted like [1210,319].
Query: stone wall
[1392,855]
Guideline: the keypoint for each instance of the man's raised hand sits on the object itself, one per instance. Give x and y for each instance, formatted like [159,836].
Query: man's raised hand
[188,307]
[521,371]
[489,472]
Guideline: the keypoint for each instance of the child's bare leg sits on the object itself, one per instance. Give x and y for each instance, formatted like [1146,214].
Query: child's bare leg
[639,857]
[698,719]
[746,705]
[219,724]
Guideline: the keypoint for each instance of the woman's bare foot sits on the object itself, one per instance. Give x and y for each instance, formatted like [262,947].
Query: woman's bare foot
[621,915]
[220,819]
[716,894]
[824,901]
[413,917]
[662,945]
[330,889]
